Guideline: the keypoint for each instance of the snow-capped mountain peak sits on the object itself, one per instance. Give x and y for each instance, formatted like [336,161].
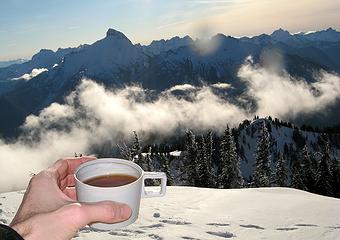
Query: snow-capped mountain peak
[112,33]
[162,45]
[281,35]
[328,35]
[330,29]
[43,53]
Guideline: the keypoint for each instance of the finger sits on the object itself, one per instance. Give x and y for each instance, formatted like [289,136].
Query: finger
[71,193]
[67,166]
[106,212]
[68,181]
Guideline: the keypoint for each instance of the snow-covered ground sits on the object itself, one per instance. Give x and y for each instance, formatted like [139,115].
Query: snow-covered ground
[198,213]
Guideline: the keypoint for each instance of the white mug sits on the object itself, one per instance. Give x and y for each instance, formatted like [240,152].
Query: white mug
[130,193]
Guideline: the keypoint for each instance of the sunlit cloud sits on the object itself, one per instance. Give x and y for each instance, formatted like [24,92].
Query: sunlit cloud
[183,87]
[28,76]
[222,85]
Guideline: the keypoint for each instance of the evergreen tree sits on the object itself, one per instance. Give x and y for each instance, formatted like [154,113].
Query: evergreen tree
[191,158]
[147,162]
[236,178]
[230,173]
[280,178]
[165,167]
[298,176]
[131,153]
[125,152]
[136,150]
[307,169]
[224,178]
[202,164]
[208,155]
[323,175]
[335,172]
[262,157]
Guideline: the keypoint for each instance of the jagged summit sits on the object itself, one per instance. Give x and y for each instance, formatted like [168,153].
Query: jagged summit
[329,35]
[281,33]
[162,45]
[114,33]
[281,30]
[330,29]
[222,37]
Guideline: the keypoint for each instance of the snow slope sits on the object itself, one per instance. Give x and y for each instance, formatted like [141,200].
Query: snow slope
[328,35]
[198,213]
[280,135]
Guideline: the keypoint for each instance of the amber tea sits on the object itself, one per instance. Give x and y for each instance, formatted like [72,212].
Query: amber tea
[112,180]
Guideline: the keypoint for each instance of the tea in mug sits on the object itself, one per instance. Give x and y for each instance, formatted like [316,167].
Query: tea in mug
[112,180]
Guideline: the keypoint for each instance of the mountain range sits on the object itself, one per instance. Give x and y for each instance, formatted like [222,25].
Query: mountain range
[11,62]
[49,76]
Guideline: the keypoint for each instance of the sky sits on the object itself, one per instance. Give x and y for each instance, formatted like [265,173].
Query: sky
[28,26]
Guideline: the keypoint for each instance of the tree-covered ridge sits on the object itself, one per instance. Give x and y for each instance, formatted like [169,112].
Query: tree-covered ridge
[309,161]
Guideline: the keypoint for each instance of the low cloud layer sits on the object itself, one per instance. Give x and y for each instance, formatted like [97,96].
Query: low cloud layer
[282,96]
[93,115]
[28,76]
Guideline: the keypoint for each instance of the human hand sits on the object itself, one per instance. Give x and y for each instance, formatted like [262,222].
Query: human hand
[49,209]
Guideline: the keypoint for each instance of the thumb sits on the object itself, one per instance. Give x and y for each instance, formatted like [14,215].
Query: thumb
[105,211]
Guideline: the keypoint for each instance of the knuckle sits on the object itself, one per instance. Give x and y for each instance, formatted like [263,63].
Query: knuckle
[72,211]
[77,210]
[35,178]
[109,211]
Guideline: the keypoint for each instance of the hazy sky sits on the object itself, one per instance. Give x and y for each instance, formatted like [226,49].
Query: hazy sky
[27,26]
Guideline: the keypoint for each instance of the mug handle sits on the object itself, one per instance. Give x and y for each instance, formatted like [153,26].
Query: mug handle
[154,175]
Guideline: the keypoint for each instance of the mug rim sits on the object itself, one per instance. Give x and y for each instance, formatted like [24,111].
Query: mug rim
[109,160]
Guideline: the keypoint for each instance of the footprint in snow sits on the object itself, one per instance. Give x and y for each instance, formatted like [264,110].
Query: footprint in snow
[251,226]
[222,234]
[122,234]
[286,228]
[175,222]
[133,231]
[190,238]
[156,237]
[306,225]
[334,227]
[219,224]
[158,225]
[2,220]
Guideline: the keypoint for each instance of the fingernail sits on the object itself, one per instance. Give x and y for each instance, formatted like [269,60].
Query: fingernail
[125,211]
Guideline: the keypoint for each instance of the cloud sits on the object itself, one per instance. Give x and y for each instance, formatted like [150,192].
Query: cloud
[183,87]
[28,76]
[93,115]
[282,96]
[221,85]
